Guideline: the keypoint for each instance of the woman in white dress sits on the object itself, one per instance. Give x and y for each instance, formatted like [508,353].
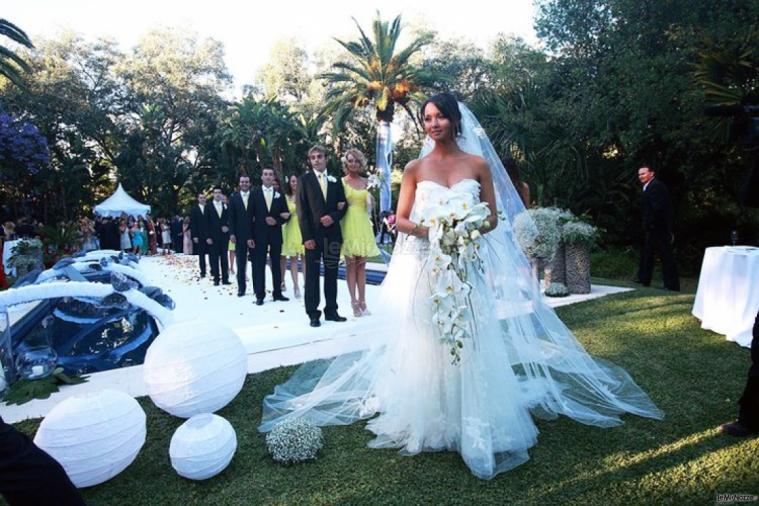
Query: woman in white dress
[520,360]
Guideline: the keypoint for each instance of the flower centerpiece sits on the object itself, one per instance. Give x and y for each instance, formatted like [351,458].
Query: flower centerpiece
[455,240]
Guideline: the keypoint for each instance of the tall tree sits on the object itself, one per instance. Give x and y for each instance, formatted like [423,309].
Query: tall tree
[377,75]
[11,64]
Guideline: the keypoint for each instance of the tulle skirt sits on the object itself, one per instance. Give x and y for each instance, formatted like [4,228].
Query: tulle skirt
[482,407]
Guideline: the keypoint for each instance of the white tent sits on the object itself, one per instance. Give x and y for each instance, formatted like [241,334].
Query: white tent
[121,202]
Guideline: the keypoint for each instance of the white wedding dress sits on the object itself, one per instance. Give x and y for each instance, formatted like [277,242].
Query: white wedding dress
[521,362]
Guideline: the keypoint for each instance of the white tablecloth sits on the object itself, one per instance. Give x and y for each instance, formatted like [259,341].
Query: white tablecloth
[7,247]
[727,299]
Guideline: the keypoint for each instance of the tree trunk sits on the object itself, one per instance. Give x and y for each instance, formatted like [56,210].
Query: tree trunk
[384,156]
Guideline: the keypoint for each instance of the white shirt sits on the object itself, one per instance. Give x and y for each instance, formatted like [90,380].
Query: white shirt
[646,185]
[202,208]
[219,207]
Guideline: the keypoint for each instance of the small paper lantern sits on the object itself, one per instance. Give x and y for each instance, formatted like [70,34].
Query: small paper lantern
[93,436]
[202,447]
[195,367]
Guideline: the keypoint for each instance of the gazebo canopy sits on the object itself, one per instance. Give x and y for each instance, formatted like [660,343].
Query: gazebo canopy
[121,202]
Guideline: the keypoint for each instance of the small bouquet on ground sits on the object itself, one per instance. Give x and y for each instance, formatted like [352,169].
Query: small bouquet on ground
[455,239]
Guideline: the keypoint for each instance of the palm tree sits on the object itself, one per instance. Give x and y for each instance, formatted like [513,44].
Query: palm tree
[10,62]
[376,75]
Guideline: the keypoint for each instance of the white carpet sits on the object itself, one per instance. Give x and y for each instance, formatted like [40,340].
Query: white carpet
[274,334]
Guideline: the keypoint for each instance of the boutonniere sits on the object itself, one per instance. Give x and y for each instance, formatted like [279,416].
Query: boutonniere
[331,179]
[276,195]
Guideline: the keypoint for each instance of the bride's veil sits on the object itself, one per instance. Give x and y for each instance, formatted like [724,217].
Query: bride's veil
[556,374]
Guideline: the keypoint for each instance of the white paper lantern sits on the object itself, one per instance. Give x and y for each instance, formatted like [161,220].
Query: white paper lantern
[93,436]
[195,367]
[202,447]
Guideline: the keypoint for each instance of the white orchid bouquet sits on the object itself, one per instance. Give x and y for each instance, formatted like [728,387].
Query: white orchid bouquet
[455,240]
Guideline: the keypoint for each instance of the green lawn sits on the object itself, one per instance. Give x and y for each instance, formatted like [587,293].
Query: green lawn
[693,375]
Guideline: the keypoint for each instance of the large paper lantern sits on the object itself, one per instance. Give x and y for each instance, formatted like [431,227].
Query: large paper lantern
[93,436]
[195,367]
[202,447]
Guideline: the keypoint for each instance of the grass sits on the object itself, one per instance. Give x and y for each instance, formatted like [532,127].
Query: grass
[695,376]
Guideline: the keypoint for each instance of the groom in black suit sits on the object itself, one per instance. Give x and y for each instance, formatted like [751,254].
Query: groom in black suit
[321,206]
[241,229]
[269,211]
[217,215]
[657,230]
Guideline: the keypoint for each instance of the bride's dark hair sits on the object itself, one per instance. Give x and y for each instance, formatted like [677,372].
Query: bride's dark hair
[448,106]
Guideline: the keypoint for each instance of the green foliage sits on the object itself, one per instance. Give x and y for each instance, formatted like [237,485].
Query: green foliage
[13,66]
[25,390]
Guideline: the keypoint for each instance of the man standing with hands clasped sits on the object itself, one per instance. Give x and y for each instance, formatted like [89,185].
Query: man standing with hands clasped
[217,215]
[241,229]
[657,230]
[199,232]
[321,206]
[269,214]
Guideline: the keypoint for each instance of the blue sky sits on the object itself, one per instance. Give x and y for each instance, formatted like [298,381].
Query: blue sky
[249,30]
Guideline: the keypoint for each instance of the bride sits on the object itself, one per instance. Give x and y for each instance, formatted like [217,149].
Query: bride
[520,360]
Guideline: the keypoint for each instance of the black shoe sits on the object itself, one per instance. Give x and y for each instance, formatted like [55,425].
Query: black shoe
[215,282]
[281,298]
[315,322]
[259,302]
[202,276]
[335,318]
[226,283]
[736,429]
[240,294]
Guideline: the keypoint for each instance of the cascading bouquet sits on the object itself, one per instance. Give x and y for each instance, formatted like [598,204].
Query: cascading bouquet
[454,234]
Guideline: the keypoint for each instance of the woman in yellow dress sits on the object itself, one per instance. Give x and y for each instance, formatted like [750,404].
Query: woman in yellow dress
[358,235]
[292,242]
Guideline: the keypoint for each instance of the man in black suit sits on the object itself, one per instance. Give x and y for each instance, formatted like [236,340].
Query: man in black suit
[199,232]
[177,235]
[28,475]
[241,229]
[269,213]
[657,230]
[321,206]
[217,215]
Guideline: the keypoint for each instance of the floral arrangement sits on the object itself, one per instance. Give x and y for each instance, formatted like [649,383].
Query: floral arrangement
[557,290]
[454,234]
[295,440]
[538,231]
[579,232]
[26,255]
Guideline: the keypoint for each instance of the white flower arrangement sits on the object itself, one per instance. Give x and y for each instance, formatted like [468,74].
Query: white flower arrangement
[331,178]
[579,232]
[538,231]
[455,240]
[295,440]
[374,181]
[276,195]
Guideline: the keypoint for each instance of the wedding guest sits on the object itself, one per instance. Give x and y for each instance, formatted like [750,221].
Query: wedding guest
[176,236]
[152,236]
[747,423]
[9,231]
[166,236]
[87,234]
[241,230]
[522,188]
[137,238]
[321,205]
[29,476]
[657,231]
[269,214]
[217,215]
[358,237]
[292,242]
[199,228]
[125,240]
[186,237]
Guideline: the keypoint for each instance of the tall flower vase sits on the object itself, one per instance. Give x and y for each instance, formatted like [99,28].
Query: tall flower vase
[577,258]
[555,271]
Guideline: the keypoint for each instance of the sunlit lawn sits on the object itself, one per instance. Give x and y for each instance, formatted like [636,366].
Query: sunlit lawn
[695,376]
